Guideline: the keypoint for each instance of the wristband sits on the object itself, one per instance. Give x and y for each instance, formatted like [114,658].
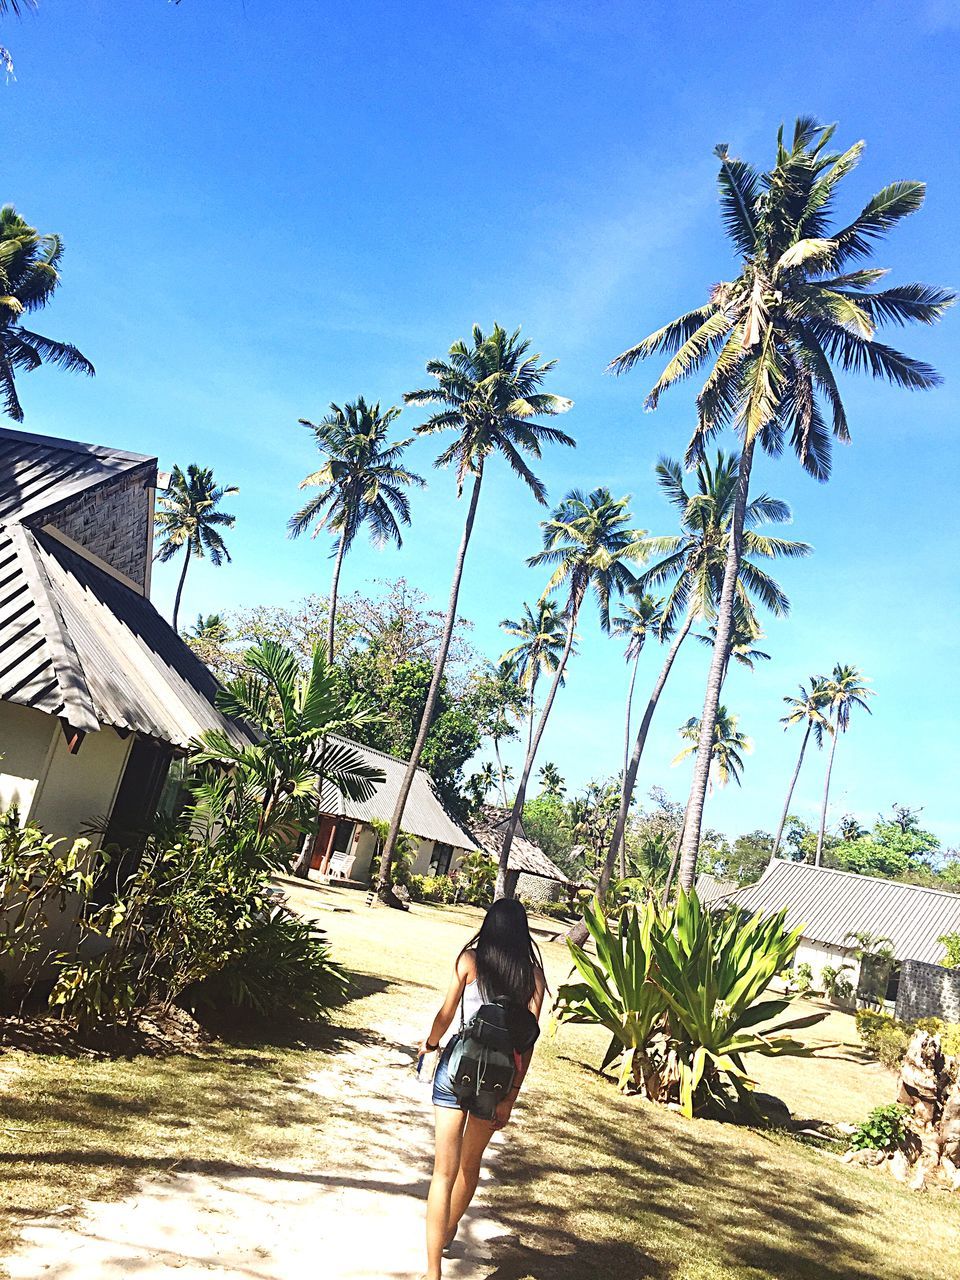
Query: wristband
[431,1048]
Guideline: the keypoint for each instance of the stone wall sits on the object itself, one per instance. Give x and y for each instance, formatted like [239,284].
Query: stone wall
[538,889]
[113,522]
[928,991]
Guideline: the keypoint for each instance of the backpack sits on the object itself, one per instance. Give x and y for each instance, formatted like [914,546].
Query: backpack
[482,1065]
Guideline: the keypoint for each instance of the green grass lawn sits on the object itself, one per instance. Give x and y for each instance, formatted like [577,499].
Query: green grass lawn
[595,1185]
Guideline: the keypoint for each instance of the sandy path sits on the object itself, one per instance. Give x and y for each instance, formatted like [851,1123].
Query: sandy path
[360,1218]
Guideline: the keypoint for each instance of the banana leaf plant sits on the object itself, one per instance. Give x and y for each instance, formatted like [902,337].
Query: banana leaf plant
[615,991]
[712,972]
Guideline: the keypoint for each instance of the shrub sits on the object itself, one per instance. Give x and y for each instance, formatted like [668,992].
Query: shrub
[555,910]
[869,1025]
[892,1042]
[803,977]
[835,984]
[883,1130]
[431,888]
[477,875]
[951,942]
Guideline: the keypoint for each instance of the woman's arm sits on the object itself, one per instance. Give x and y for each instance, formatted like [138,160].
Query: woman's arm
[448,1010]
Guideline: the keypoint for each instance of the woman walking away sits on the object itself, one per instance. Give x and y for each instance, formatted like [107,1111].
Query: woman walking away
[496,992]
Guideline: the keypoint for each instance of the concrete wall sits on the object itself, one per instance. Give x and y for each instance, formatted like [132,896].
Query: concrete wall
[26,747]
[113,522]
[928,991]
[80,789]
[364,847]
[818,954]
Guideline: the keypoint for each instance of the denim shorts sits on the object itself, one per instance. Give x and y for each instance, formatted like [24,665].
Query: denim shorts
[443,1095]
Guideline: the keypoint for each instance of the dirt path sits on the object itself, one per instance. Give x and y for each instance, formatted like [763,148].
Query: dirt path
[360,1218]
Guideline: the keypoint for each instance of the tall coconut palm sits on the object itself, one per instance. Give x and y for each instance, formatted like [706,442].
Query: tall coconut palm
[540,632]
[729,747]
[361,483]
[845,689]
[588,542]
[808,710]
[551,782]
[634,623]
[29,277]
[489,394]
[188,519]
[744,637]
[694,560]
[801,305]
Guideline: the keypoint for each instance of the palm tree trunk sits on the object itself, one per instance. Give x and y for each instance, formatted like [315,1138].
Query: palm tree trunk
[626,756]
[517,810]
[728,595]
[826,797]
[786,803]
[183,578]
[334,586]
[672,869]
[503,783]
[386,858]
[531,710]
[578,933]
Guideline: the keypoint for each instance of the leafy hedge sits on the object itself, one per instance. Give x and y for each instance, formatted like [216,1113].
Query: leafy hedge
[887,1039]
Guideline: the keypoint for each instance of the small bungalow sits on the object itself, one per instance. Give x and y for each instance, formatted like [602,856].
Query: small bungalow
[97,691]
[832,905]
[534,876]
[346,842]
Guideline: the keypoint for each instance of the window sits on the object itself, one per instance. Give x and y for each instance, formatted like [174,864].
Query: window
[441,859]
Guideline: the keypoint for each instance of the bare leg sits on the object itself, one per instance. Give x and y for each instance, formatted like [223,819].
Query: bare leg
[449,1131]
[475,1138]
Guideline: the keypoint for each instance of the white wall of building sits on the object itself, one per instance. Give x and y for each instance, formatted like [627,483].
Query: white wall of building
[80,789]
[818,954]
[26,748]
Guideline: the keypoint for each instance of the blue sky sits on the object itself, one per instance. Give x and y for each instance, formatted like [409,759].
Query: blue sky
[270,205]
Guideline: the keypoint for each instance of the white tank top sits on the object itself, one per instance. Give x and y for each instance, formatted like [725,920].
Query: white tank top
[472,1000]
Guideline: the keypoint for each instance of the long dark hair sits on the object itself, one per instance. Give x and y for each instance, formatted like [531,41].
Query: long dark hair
[506,955]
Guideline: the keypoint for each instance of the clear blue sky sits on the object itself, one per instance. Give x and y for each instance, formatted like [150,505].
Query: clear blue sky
[274,204]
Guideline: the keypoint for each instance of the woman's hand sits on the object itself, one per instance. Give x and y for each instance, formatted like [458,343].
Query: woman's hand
[503,1112]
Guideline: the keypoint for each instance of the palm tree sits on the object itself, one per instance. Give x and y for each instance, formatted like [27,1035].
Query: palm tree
[540,632]
[807,710]
[187,519]
[360,483]
[489,394]
[588,540]
[866,944]
[729,747]
[551,783]
[16,7]
[209,629]
[844,690]
[29,277]
[634,623]
[482,782]
[801,304]
[743,641]
[695,561]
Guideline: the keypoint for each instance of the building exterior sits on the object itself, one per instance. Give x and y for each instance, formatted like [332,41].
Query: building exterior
[832,905]
[534,876]
[97,692]
[346,842]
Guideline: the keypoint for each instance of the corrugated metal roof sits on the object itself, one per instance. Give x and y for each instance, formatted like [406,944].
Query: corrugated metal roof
[39,473]
[830,905]
[424,814]
[711,889]
[524,854]
[75,642]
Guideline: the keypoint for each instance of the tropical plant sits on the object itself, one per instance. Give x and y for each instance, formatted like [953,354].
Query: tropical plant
[729,747]
[476,875]
[496,700]
[540,632]
[744,638]
[361,484]
[866,944]
[951,944]
[884,1129]
[802,303]
[481,783]
[803,977]
[551,782]
[268,789]
[29,277]
[694,562]
[188,520]
[488,393]
[634,623]
[834,982]
[844,690]
[808,710]
[588,542]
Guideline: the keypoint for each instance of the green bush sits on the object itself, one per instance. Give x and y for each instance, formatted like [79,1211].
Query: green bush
[869,1025]
[803,977]
[476,876]
[555,910]
[883,1130]
[835,984]
[951,942]
[892,1042]
[431,888]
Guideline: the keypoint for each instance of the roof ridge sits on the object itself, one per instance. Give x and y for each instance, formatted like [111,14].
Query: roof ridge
[386,754]
[75,446]
[859,875]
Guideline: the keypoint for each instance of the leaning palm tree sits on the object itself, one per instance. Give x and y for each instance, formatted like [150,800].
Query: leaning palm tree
[187,520]
[540,632]
[694,562]
[588,542]
[808,710]
[742,647]
[845,689]
[634,623]
[551,782]
[361,483]
[729,747]
[802,303]
[489,393]
[29,277]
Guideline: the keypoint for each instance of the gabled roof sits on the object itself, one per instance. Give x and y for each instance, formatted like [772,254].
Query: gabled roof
[830,905]
[77,643]
[424,814]
[711,889]
[40,473]
[524,854]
